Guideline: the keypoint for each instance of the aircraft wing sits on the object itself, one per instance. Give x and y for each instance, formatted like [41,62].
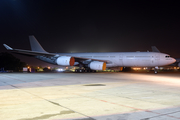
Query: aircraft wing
[82,59]
[28,52]
[36,53]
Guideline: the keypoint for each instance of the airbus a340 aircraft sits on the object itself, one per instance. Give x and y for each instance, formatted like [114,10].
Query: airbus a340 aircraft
[96,61]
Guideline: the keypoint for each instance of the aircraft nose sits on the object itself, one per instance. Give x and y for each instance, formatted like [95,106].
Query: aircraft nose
[173,60]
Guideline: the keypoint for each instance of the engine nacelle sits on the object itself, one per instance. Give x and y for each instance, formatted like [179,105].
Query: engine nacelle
[97,65]
[65,61]
[179,64]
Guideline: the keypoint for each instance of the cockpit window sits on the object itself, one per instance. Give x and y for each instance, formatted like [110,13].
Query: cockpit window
[167,56]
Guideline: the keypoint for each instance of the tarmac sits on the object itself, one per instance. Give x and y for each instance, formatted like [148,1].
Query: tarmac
[90,96]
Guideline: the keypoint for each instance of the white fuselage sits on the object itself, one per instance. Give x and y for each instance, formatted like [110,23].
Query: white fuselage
[129,59]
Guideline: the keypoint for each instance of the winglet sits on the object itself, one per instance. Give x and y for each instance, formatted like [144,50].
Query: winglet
[7,47]
[154,49]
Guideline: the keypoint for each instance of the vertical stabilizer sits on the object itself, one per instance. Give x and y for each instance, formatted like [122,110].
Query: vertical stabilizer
[154,49]
[35,46]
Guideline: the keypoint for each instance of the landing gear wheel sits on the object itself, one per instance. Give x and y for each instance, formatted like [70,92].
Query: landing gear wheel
[156,69]
[79,71]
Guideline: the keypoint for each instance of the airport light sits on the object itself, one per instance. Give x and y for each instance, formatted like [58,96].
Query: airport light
[136,68]
[145,68]
[60,70]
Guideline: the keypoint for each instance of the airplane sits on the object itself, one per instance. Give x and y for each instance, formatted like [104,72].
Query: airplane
[88,62]
[176,63]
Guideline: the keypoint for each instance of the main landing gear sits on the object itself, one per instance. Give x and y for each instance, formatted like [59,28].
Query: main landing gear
[156,70]
[84,70]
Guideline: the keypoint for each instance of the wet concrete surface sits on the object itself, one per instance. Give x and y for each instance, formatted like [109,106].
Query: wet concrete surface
[90,96]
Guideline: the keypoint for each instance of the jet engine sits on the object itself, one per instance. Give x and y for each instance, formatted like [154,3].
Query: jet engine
[97,65]
[65,61]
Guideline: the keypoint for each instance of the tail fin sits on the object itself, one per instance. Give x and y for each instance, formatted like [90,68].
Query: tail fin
[35,46]
[154,49]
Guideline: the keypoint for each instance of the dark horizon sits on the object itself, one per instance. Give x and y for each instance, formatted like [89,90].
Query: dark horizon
[90,26]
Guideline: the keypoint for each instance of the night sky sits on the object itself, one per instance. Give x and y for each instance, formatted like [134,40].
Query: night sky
[90,26]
